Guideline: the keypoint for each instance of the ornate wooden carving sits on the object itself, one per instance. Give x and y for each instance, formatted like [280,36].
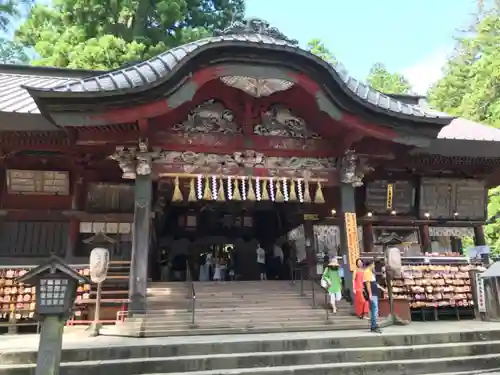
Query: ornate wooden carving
[244,164]
[402,199]
[279,120]
[209,117]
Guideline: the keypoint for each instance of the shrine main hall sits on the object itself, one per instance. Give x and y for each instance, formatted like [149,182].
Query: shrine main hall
[242,138]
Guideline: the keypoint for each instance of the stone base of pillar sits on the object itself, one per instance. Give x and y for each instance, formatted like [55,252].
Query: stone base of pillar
[137,305]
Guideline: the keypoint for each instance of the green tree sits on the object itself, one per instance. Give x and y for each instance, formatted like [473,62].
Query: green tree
[389,83]
[12,53]
[95,34]
[317,47]
[470,88]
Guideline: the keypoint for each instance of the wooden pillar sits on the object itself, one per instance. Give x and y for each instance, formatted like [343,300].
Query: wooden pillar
[140,244]
[74,222]
[425,239]
[479,237]
[367,238]
[348,206]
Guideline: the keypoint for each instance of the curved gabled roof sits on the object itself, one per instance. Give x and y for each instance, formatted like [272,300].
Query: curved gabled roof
[162,68]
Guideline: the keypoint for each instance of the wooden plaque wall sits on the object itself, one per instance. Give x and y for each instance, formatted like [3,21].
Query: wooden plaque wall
[110,198]
[443,197]
[402,196]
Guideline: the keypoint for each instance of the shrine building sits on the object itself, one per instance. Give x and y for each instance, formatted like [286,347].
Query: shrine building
[238,139]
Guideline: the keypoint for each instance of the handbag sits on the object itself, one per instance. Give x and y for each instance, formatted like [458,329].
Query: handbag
[324,283]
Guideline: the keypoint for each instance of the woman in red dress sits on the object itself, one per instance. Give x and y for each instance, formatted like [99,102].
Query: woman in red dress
[360,304]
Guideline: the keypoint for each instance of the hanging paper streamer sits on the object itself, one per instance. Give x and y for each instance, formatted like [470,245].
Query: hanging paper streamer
[244,188]
[229,188]
[257,189]
[293,194]
[250,192]
[236,194]
[279,195]
[307,194]
[177,196]
[192,191]
[271,189]
[207,195]
[318,196]
[214,188]
[300,190]
[220,196]
[265,195]
[199,187]
[285,190]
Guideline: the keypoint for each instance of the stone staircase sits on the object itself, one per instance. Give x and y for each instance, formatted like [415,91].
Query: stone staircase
[310,353]
[236,307]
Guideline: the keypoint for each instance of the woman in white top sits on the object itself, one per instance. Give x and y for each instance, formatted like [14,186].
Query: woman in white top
[261,262]
[217,273]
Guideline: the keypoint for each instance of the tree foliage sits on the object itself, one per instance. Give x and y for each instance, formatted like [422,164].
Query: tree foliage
[12,53]
[318,48]
[389,83]
[470,88]
[95,34]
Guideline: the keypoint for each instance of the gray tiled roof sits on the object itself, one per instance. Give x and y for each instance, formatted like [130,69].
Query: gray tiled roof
[463,129]
[14,98]
[161,66]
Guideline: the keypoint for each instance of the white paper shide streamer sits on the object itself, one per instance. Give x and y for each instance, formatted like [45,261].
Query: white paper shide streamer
[99,263]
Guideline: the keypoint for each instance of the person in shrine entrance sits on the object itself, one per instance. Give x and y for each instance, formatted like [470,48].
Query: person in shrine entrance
[371,292]
[361,306]
[261,261]
[332,283]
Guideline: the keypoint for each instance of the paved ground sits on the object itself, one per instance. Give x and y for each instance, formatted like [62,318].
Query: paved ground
[77,338]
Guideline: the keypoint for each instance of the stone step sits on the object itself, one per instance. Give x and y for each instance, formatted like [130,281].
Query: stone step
[310,341]
[387,360]
[244,311]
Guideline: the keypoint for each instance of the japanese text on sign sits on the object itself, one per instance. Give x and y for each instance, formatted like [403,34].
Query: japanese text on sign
[351,227]
[481,303]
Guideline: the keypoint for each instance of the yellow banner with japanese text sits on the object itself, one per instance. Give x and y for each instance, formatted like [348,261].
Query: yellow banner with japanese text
[351,228]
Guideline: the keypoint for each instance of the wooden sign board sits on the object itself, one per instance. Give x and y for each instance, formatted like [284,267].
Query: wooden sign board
[402,197]
[311,217]
[31,182]
[351,227]
[459,199]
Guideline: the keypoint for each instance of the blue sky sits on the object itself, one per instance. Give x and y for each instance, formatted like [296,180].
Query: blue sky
[412,37]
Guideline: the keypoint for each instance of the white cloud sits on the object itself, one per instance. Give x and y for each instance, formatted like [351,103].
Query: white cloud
[426,71]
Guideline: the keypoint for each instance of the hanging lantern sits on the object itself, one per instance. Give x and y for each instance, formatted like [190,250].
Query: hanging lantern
[207,195]
[279,195]
[177,195]
[293,195]
[250,192]
[220,196]
[318,196]
[192,191]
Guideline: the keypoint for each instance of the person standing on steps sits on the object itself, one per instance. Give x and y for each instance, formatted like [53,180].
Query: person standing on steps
[361,306]
[331,280]
[261,262]
[371,291]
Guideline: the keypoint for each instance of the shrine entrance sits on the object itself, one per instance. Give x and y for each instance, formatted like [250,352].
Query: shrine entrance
[206,235]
